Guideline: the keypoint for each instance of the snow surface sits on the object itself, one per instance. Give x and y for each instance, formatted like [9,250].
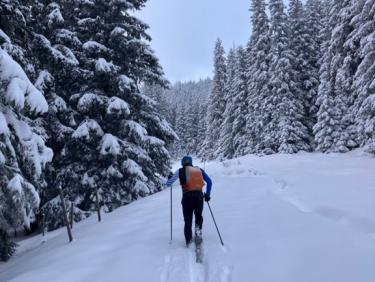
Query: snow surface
[284,218]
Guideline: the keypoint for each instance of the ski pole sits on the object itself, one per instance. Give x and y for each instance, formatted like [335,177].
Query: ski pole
[171,215]
[218,232]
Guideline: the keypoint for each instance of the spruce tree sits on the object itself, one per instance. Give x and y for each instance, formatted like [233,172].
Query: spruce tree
[55,49]
[305,49]
[202,127]
[364,79]
[119,145]
[23,153]
[257,78]
[216,102]
[225,148]
[240,137]
[312,49]
[284,129]
[335,130]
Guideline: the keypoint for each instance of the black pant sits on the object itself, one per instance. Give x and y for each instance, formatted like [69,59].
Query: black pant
[192,202]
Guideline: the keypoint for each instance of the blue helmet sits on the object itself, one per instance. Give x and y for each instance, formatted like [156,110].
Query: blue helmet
[187,160]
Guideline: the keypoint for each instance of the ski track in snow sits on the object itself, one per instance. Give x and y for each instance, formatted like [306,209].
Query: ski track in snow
[181,261]
[175,265]
[363,224]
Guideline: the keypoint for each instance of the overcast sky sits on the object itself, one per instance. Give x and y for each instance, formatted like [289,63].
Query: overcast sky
[184,33]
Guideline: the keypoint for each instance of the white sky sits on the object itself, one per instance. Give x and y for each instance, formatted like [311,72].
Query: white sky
[184,33]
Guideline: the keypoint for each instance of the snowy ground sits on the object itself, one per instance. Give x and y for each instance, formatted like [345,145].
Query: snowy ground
[284,218]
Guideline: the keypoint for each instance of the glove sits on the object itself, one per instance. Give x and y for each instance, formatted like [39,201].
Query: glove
[170,175]
[207,197]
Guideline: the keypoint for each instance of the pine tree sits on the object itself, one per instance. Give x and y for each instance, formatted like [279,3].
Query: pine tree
[240,141]
[119,144]
[312,49]
[335,130]
[257,78]
[202,127]
[284,129]
[305,49]
[225,148]
[325,125]
[106,134]
[55,48]
[15,33]
[185,105]
[364,82]
[216,102]
[23,154]
[190,122]
[158,94]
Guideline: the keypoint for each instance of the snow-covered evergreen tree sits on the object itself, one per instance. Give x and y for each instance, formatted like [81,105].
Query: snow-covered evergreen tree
[311,53]
[305,49]
[185,105]
[16,33]
[23,154]
[119,143]
[202,126]
[364,79]
[241,107]
[225,149]
[54,47]
[157,93]
[284,130]
[257,77]
[335,130]
[106,134]
[216,102]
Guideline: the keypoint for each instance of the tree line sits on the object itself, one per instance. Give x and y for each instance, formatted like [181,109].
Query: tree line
[184,105]
[304,82]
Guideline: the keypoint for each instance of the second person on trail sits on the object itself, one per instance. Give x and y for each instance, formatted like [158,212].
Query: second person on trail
[192,180]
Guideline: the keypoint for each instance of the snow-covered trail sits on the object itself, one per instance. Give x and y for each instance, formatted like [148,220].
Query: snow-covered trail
[282,218]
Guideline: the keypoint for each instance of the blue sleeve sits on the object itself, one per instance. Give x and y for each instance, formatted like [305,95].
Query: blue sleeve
[208,180]
[172,179]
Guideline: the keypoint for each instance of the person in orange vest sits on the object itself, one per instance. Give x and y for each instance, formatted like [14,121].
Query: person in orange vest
[192,180]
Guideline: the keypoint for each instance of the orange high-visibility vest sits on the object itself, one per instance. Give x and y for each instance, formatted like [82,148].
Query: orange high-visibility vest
[194,179]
